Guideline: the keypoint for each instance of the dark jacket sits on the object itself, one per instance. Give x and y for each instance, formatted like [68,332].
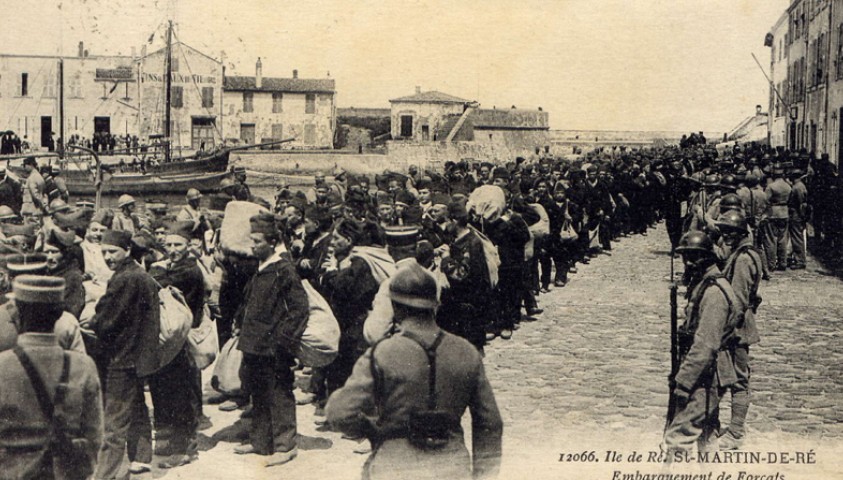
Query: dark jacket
[510,237]
[74,292]
[127,321]
[274,311]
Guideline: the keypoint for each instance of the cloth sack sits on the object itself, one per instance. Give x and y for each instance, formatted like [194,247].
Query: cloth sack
[487,201]
[541,228]
[567,234]
[235,229]
[176,318]
[226,377]
[490,251]
[321,338]
[203,342]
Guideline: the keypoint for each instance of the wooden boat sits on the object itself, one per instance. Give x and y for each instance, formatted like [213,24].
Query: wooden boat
[147,183]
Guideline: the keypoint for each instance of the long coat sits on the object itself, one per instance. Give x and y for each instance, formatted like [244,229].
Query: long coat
[126,321]
[403,388]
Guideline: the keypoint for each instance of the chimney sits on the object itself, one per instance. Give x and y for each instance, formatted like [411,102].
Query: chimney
[418,89]
[81,49]
[758,109]
[258,74]
[86,53]
[295,74]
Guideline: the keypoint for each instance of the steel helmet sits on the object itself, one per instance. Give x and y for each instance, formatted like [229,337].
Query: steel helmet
[712,180]
[732,220]
[730,201]
[728,182]
[58,205]
[124,200]
[751,180]
[696,241]
[226,182]
[193,194]
[6,212]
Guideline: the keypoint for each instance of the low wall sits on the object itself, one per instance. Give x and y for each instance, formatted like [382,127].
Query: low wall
[312,162]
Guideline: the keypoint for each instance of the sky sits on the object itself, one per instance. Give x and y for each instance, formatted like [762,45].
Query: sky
[679,65]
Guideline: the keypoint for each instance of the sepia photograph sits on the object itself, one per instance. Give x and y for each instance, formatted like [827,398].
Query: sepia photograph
[421,239]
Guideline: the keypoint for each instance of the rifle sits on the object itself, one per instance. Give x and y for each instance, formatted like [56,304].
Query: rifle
[674,343]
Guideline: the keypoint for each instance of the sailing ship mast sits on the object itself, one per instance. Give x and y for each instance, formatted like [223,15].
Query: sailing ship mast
[168,64]
[62,139]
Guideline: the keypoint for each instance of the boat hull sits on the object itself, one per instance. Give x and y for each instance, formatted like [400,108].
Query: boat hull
[148,184]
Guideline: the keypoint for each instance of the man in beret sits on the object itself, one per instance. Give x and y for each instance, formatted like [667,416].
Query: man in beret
[126,323]
[39,300]
[240,190]
[270,324]
[177,389]
[349,285]
[464,311]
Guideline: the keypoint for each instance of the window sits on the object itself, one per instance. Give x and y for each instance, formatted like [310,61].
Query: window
[840,51]
[174,64]
[310,103]
[207,97]
[177,97]
[248,98]
[310,134]
[24,84]
[49,90]
[406,126]
[276,103]
[277,131]
[75,90]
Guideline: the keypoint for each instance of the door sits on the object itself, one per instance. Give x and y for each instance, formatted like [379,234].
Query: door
[840,136]
[102,124]
[425,132]
[46,132]
[247,133]
[202,134]
[792,139]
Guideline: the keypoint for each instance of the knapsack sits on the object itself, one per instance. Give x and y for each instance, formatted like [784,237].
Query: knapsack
[65,455]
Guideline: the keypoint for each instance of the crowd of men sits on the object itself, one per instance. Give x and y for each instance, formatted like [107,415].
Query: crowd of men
[421,271]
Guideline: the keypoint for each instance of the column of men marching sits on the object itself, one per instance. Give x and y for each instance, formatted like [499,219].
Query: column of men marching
[419,276]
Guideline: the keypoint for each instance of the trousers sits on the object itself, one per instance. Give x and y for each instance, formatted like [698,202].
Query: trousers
[269,380]
[796,231]
[774,233]
[740,392]
[698,422]
[126,423]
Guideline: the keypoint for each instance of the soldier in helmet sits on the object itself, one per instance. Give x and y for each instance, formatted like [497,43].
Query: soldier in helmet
[797,217]
[405,410]
[705,368]
[193,213]
[743,270]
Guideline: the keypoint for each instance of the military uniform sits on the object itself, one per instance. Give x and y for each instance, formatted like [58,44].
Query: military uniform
[743,271]
[774,230]
[402,387]
[797,208]
[706,369]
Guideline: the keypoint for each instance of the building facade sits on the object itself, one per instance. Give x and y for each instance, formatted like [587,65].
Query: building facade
[421,117]
[100,95]
[195,97]
[263,109]
[807,60]
[126,95]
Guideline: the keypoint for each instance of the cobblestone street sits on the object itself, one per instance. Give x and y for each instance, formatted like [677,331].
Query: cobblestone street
[590,375]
